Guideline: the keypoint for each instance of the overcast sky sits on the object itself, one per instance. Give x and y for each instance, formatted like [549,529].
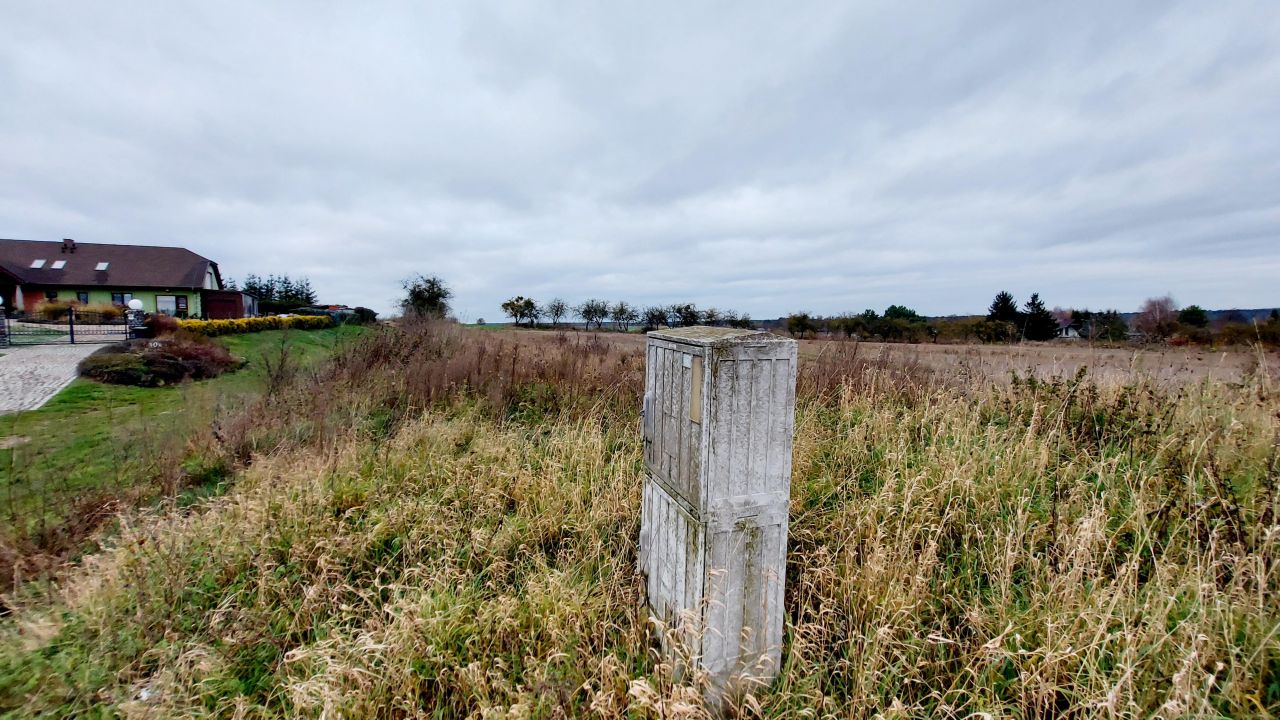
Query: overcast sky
[768,157]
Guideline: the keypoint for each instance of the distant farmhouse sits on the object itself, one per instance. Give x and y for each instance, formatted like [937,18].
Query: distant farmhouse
[169,280]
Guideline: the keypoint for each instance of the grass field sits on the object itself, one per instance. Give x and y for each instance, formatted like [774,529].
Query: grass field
[94,447]
[443,523]
[34,334]
[1106,364]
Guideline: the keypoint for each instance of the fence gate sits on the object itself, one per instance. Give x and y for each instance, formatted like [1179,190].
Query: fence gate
[75,327]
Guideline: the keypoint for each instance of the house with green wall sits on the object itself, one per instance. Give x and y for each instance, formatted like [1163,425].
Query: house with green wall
[168,280]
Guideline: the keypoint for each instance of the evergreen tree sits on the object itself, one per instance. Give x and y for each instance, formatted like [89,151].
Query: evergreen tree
[1084,321]
[1040,324]
[1004,309]
[279,293]
[306,292]
[285,290]
[1108,325]
[901,312]
[1193,316]
[255,286]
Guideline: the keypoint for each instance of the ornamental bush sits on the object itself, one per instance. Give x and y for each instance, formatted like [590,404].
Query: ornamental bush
[104,311]
[51,309]
[214,328]
[165,361]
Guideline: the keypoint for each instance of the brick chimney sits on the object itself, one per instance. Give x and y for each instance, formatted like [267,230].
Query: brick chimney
[68,245]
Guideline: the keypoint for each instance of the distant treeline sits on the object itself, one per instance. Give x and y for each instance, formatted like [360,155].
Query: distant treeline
[620,315]
[1159,320]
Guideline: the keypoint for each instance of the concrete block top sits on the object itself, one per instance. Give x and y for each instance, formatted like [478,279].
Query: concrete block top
[706,336]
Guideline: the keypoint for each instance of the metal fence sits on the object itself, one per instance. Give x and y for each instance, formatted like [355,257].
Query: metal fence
[73,327]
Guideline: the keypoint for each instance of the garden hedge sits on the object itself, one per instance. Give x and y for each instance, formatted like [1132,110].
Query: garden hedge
[213,328]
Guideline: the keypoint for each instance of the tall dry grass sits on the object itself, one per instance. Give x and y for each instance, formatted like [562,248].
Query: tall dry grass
[419,533]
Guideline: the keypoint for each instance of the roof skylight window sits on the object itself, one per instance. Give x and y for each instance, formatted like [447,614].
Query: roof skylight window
[58,264]
[37,264]
[101,266]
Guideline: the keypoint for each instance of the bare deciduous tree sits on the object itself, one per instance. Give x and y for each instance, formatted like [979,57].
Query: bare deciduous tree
[593,311]
[654,317]
[683,315]
[623,315]
[1158,318]
[555,310]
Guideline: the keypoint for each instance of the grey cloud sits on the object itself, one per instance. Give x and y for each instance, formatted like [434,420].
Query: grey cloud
[824,156]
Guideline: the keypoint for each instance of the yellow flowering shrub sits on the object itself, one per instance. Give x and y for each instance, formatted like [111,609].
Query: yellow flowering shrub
[213,328]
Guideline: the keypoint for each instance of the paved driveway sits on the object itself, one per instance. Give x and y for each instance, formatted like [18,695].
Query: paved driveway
[31,374]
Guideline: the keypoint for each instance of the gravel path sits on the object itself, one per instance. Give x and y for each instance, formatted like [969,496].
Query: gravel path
[30,375]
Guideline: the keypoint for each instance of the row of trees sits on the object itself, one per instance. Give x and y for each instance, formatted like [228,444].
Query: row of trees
[622,315]
[1159,320]
[899,323]
[1005,321]
[278,288]
[429,296]
[277,293]
[1033,321]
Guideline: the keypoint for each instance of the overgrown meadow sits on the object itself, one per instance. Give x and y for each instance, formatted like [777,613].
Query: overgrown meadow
[443,523]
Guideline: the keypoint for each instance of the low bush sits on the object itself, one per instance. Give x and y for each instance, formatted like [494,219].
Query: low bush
[109,365]
[162,324]
[153,363]
[1263,333]
[104,311]
[56,310]
[51,309]
[214,328]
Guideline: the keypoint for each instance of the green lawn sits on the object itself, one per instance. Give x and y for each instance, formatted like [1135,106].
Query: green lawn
[34,335]
[487,326]
[93,438]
